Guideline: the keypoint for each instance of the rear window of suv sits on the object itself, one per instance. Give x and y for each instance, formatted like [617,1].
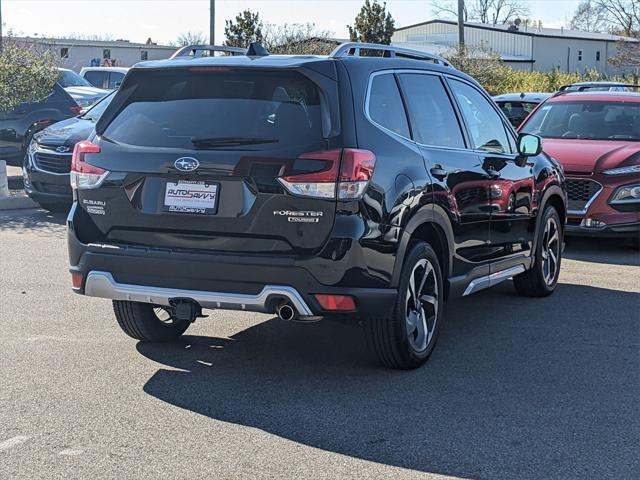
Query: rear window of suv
[201,108]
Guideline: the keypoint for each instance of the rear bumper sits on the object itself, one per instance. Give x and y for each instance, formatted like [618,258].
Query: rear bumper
[218,280]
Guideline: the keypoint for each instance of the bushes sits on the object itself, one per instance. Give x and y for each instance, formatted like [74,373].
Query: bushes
[511,80]
[491,72]
[26,74]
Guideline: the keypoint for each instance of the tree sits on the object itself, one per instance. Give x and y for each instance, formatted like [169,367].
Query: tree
[484,11]
[373,24]
[480,62]
[191,38]
[627,57]
[297,39]
[624,16]
[590,17]
[246,29]
[27,73]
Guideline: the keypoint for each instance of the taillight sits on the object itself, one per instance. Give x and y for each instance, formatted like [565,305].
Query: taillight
[83,174]
[76,280]
[346,173]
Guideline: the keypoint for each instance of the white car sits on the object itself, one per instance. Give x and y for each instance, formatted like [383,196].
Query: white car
[108,78]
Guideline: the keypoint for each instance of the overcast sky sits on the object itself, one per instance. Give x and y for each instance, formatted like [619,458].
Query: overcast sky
[164,20]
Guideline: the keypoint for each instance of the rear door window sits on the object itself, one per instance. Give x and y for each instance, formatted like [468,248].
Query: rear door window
[217,108]
[96,78]
[385,105]
[115,79]
[433,120]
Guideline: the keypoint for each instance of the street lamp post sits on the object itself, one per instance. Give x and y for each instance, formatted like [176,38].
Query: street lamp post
[0,25]
[212,22]
[461,23]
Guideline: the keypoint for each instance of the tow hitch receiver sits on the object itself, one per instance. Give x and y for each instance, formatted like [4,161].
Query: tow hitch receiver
[185,309]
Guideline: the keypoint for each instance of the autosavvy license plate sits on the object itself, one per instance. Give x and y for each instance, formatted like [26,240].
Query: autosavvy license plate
[191,196]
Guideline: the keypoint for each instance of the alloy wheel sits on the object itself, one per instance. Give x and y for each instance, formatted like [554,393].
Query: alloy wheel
[422,305]
[550,251]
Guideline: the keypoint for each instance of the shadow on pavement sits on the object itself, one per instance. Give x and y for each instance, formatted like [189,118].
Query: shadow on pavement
[516,388]
[32,221]
[613,251]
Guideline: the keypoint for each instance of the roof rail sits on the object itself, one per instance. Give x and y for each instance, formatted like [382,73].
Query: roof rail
[582,86]
[198,50]
[353,49]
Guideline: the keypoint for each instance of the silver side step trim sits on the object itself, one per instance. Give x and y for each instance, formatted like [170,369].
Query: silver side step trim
[103,285]
[493,279]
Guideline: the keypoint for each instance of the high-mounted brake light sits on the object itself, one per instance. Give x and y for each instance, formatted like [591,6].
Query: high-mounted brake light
[84,175]
[346,174]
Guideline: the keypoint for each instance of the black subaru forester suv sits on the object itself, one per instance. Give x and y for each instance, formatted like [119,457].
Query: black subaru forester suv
[371,184]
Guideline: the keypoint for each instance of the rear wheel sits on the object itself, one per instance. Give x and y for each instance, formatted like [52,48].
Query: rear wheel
[541,280]
[147,322]
[407,338]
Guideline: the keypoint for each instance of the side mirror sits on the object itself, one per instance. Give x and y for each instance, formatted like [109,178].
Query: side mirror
[529,145]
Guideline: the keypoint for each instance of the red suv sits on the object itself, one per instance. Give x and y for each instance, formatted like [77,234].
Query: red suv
[596,138]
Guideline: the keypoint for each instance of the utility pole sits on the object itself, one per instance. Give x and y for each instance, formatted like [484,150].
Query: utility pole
[461,23]
[0,25]
[212,22]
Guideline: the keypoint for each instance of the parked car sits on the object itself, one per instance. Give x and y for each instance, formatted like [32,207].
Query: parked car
[82,91]
[516,106]
[346,186]
[18,125]
[596,137]
[107,78]
[48,161]
[598,87]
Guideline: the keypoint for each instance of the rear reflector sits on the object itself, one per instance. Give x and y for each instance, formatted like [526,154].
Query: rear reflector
[346,174]
[76,280]
[336,303]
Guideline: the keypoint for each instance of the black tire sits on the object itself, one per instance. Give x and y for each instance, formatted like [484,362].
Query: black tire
[55,207]
[538,281]
[389,339]
[140,321]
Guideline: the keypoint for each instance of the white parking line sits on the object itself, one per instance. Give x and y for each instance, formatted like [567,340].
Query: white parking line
[72,451]
[12,442]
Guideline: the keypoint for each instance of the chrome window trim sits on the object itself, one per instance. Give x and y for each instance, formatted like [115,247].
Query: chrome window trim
[392,133]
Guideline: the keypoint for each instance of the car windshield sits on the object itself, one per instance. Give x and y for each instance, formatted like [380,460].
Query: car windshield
[70,78]
[592,120]
[98,109]
[516,108]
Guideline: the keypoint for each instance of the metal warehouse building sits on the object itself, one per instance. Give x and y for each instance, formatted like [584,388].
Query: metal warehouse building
[522,48]
[75,54]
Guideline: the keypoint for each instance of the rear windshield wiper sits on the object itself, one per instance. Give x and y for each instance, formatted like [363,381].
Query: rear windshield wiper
[229,141]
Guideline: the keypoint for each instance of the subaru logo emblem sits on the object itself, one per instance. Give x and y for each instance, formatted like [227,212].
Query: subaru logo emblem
[63,149]
[186,164]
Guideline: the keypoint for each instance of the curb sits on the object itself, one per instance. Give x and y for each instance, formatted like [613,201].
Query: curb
[16,202]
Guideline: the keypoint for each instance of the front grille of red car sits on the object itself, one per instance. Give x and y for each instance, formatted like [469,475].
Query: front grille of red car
[581,193]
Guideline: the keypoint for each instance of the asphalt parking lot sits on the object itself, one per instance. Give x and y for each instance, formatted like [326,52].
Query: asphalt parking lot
[516,388]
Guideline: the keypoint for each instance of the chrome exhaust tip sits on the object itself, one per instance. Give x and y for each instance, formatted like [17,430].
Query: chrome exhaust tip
[286,312]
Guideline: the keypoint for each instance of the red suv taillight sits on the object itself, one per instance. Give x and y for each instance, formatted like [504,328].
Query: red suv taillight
[83,174]
[346,175]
